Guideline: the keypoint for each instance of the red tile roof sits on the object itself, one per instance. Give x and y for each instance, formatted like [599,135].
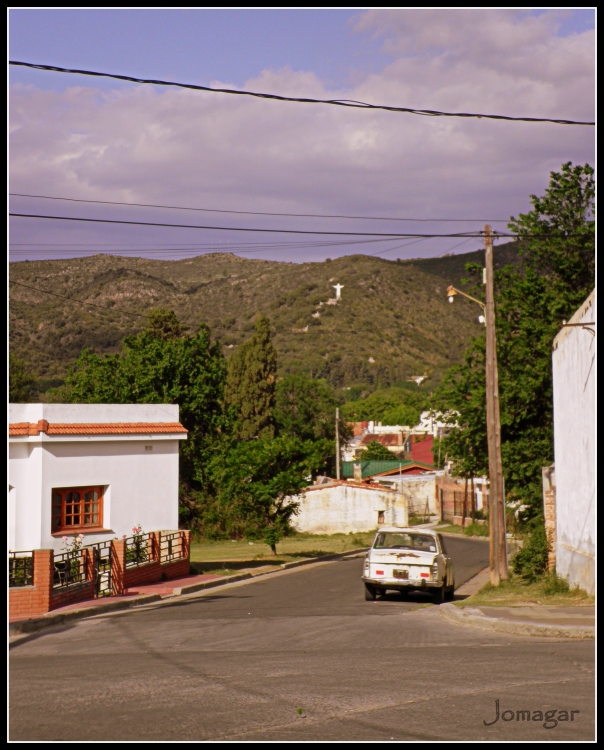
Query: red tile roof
[385,439]
[107,428]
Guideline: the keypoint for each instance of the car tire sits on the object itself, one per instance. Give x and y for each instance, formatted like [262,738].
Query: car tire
[370,593]
[450,593]
[438,595]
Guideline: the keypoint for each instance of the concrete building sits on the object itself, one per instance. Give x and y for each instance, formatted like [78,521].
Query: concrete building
[94,469]
[418,490]
[574,376]
[344,507]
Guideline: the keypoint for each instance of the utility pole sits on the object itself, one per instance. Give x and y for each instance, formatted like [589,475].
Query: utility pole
[498,558]
[337,443]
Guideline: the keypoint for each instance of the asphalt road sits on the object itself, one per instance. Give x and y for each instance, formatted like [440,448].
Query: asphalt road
[236,664]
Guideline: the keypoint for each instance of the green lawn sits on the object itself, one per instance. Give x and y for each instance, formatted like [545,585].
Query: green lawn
[234,555]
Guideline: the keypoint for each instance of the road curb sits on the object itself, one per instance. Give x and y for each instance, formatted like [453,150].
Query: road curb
[475,618]
[47,621]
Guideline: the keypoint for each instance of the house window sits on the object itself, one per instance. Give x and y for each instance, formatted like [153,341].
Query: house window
[77,508]
[380,516]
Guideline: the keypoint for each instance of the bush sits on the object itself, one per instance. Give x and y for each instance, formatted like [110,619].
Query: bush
[476,529]
[553,584]
[531,562]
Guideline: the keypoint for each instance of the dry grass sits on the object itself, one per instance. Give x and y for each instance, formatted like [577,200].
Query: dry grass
[235,554]
[516,592]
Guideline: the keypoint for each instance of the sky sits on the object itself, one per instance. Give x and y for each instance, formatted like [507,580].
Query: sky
[95,139]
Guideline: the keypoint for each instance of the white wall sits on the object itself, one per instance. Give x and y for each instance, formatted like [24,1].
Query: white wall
[574,446]
[344,508]
[141,486]
[418,489]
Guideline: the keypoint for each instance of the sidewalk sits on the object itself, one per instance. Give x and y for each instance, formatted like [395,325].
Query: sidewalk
[525,619]
[534,620]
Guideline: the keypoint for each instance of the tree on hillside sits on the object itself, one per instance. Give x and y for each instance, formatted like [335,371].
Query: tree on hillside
[250,385]
[163,324]
[161,365]
[21,382]
[556,240]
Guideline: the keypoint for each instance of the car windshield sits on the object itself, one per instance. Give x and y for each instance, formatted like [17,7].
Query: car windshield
[404,540]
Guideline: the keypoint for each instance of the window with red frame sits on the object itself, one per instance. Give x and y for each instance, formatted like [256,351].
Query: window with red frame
[77,508]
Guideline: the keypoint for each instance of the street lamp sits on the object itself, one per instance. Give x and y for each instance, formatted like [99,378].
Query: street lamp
[498,554]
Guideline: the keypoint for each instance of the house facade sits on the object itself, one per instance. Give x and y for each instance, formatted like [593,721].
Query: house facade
[344,507]
[574,377]
[91,469]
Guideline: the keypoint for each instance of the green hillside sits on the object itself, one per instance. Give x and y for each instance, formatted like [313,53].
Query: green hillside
[392,322]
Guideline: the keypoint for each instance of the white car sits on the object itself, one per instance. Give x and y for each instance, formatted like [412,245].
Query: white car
[408,559]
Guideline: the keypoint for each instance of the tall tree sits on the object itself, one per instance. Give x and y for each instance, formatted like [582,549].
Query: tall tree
[556,244]
[250,385]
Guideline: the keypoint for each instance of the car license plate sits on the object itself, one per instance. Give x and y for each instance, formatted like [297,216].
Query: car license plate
[401,574]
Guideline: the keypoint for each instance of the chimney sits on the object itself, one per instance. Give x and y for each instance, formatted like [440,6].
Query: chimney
[358,473]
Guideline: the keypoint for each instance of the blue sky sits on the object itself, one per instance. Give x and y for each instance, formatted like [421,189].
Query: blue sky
[201,46]
[83,137]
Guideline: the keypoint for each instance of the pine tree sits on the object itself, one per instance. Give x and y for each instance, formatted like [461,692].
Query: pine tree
[250,386]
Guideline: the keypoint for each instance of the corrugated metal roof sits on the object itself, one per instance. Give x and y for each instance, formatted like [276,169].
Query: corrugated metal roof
[370,468]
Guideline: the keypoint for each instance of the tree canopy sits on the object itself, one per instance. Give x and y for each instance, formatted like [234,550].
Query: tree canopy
[21,382]
[170,367]
[375,451]
[556,243]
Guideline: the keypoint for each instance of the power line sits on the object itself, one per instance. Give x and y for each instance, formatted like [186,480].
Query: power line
[252,213]
[393,235]
[336,102]
[80,301]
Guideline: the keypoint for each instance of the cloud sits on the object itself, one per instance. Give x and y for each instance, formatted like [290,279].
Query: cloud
[153,145]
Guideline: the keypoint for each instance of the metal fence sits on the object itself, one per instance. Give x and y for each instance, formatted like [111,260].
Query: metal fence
[20,569]
[452,503]
[69,567]
[102,556]
[171,546]
[139,550]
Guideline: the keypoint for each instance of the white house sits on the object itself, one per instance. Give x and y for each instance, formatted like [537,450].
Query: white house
[574,376]
[344,507]
[94,469]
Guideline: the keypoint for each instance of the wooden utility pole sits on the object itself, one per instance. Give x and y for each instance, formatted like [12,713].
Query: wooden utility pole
[497,559]
[337,443]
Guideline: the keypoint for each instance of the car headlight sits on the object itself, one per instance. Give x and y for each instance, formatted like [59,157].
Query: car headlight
[435,571]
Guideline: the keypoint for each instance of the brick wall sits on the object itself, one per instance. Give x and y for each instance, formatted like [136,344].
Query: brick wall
[30,601]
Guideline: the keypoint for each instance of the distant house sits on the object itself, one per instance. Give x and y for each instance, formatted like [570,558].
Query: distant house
[574,486]
[92,469]
[402,441]
[343,507]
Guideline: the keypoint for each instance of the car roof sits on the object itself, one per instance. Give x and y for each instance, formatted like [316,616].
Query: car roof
[414,529]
